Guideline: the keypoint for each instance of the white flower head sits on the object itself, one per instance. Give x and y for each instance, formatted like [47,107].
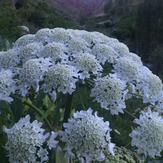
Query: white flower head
[150,86]
[148,136]
[104,53]
[32,73]
[24,40]
[89,37]
[53,35]
[134,57]
[77,45]
[87,64]
[61,35]
[7,85]
[56,51]
[127,69]
[44,36]
[25,141]
[30,51]
[110,92]
[60,78]
[52,143]
[101,38]
[86,136]
[9,59]
[120,48]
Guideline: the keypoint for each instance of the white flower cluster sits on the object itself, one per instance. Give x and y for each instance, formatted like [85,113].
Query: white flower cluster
[104,53]
[9,59]
[148,136]
[120,48]
[144,83]
[7,85]
[78,55]
[24,40]
[87,137]
[26,142]
[61,60]
[30,51]
[150,86]
[61,78]
[55,51]
[110,92]
[87,64]
[32,73]
[127,69]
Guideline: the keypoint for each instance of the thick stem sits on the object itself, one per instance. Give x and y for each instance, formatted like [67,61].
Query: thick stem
[68,104]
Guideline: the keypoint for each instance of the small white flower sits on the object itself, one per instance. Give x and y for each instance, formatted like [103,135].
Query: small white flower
[30,51]
[102,39]
[52,143]
[25,141]
[61,35]
[127,69]
[148,136]
[32,73]
[9,59]
[87,136]
[44,36]
[43,155]
[53,35]
[110,92]
[56,51]
[120,48]
[87,64]
[150,86]
[77,45]
[60,78]
[24,40]
[7,85]
[90,37]
[104,53]
[134,57]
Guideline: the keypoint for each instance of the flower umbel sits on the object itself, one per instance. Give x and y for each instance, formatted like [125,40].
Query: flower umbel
[87,136]
[7,85]
[25,141]
[32,73]
[148,136]
[110,92]
[60,78]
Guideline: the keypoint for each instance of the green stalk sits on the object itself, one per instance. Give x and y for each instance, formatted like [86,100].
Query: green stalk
[36,109]
[68,104]
[131,115]
[40,112]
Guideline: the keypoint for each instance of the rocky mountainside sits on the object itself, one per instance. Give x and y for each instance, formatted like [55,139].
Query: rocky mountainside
[79,9]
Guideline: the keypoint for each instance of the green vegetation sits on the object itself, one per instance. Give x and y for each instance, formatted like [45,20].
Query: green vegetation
[122,155]
[33,14]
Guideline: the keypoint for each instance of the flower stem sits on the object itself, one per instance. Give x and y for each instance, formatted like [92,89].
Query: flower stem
[40,112]
[130,114]
[36,109]
[68,104]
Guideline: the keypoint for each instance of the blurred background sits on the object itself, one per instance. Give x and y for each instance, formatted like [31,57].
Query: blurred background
[138,23]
